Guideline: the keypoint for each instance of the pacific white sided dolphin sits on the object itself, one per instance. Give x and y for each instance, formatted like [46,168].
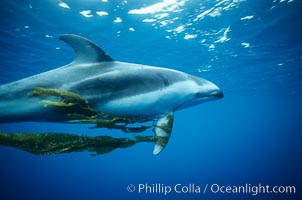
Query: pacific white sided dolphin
[115,88]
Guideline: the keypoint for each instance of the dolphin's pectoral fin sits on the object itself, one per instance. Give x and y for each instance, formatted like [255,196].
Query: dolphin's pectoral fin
[162,130]
[87,51]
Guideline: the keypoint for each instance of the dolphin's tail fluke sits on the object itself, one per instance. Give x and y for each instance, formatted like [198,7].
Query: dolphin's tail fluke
[162,131]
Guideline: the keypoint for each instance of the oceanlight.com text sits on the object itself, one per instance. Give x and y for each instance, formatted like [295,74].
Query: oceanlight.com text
[250,189]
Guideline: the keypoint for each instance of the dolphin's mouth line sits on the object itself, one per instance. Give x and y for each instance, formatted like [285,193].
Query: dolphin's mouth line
[216,94]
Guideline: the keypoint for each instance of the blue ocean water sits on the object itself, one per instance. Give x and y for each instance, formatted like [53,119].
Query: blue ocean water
[252,49]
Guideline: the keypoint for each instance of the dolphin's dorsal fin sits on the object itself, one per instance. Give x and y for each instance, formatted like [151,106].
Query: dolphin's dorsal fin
[86,51]
[162,131]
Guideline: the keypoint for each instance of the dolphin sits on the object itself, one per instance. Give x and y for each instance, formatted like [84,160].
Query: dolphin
[116,88]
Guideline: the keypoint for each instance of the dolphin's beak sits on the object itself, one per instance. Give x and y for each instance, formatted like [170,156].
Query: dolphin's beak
[217,93]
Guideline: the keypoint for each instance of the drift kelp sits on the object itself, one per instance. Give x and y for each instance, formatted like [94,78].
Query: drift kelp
[78,110]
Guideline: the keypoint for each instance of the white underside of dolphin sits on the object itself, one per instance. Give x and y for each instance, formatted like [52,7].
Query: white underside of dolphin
[116,88]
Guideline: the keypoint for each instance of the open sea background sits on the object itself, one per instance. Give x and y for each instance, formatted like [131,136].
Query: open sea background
[252,49]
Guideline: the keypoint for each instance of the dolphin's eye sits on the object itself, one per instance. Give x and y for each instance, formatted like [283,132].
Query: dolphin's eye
[198,94]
